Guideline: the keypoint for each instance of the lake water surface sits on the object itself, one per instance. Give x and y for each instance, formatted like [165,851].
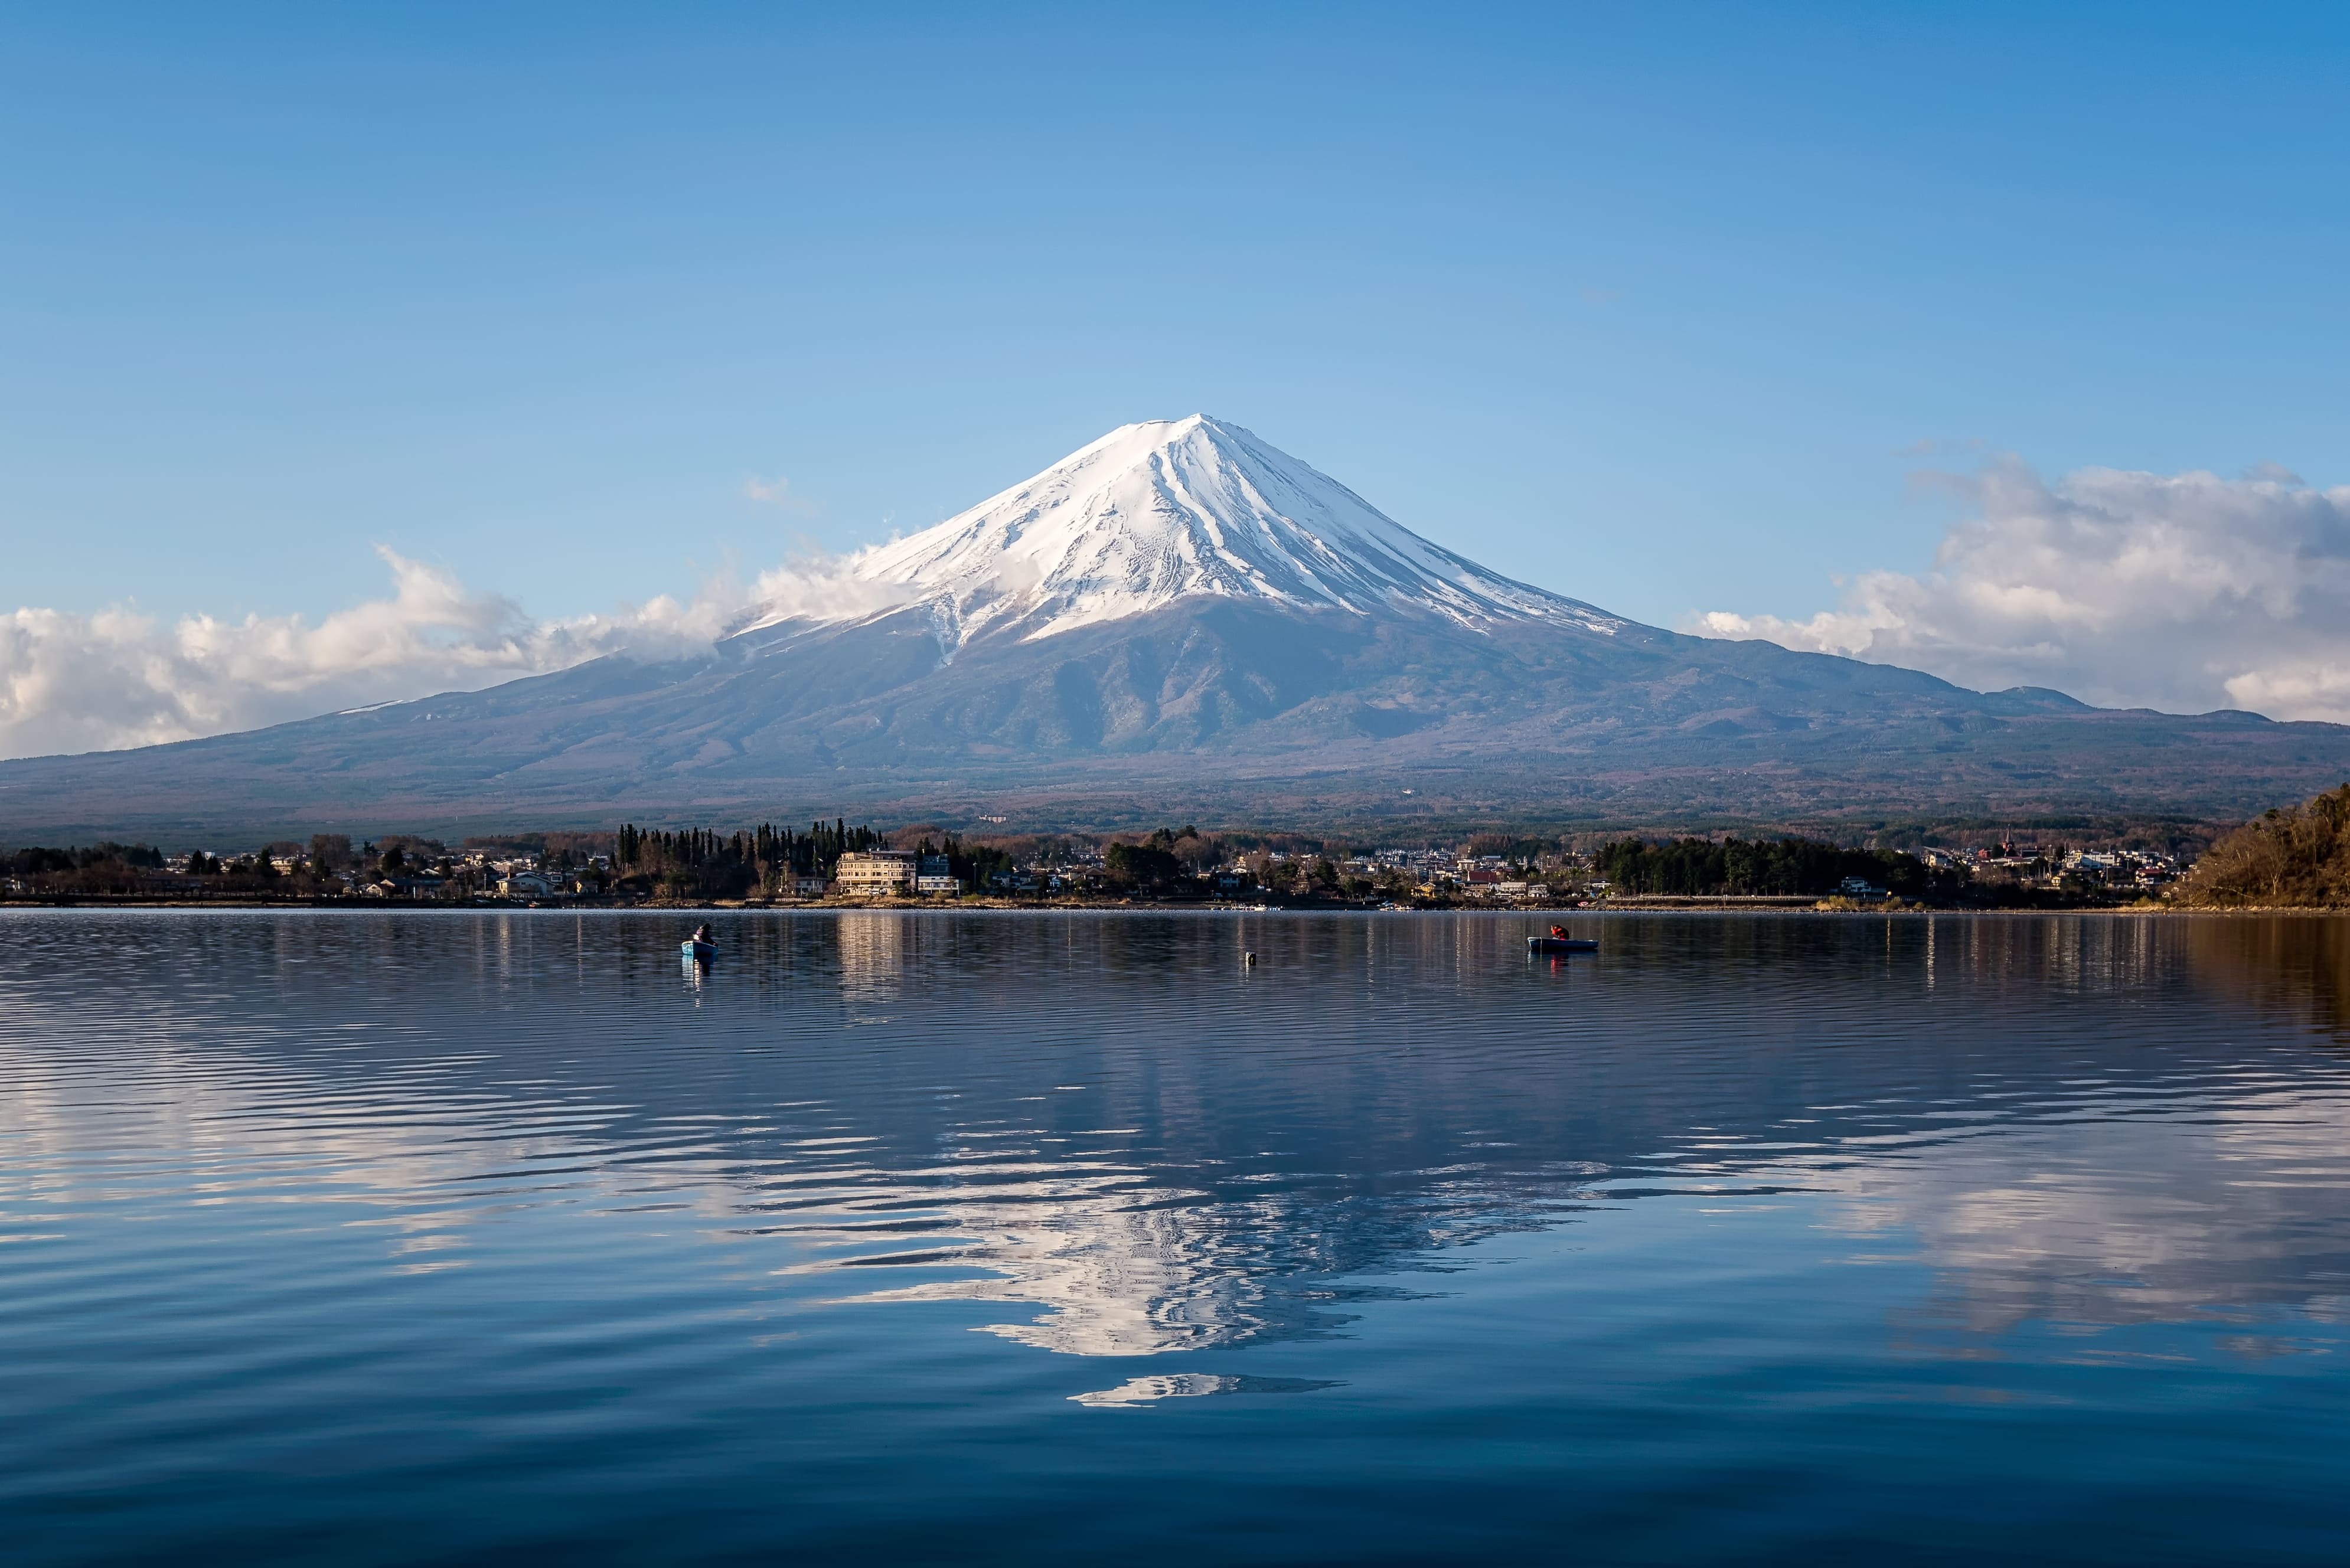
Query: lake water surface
[393,1238]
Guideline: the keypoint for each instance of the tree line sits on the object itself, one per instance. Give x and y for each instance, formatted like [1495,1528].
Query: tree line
[107,868]
[695,862]
[1703,868]
[2295,856]
[36,862]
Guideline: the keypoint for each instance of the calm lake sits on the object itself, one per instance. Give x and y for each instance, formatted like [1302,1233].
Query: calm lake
[396,1237]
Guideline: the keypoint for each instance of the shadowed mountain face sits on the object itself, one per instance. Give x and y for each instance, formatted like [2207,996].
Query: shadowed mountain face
[1180,620]
[1231,708]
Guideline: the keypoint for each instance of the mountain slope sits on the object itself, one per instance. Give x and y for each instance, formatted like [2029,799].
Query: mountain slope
[1154,513]
[1180,620]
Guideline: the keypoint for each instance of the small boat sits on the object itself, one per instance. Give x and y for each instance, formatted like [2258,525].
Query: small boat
[695,951]
[1561,945]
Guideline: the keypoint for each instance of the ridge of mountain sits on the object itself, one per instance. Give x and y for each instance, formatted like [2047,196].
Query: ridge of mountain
[1180,620]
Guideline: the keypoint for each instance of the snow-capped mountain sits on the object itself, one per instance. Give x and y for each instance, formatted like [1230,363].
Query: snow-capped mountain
[1169,510]
[1179,623]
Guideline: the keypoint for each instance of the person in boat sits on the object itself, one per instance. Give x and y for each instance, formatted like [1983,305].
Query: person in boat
[702,934]
[1557,933]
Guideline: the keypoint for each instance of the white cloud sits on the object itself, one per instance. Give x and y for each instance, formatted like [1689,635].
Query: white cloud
[821,587]
[2184,592]
[119,677]
[777,491]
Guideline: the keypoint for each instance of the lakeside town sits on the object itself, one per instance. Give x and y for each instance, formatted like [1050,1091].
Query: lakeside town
[836,864]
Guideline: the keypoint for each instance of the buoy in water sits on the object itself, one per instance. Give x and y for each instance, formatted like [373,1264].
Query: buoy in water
[1248,960]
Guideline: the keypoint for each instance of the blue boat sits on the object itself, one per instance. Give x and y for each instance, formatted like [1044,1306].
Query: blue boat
[697,951]
[1561,945]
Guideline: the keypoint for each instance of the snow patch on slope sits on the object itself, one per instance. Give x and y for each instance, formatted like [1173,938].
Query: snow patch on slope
[1169,509]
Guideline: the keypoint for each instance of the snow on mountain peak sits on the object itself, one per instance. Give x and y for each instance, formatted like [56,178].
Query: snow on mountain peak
[1175,509]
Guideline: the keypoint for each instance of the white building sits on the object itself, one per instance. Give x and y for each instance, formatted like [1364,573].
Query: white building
[875,874]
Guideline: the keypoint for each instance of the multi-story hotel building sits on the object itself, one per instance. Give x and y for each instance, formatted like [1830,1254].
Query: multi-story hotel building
[874,873]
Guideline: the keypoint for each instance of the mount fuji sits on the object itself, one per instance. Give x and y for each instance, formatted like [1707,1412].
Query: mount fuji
[1181,620]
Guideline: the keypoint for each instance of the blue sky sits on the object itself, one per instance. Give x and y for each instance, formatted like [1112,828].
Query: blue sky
[1655,306]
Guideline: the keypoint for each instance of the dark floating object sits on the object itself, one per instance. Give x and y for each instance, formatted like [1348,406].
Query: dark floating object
[1561,945]
[1248,960]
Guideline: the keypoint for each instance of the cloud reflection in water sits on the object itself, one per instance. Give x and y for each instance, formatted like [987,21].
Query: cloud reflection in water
[2089,1121]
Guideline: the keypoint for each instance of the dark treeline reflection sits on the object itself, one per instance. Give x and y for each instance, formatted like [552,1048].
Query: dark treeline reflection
[1134,1143]
[2297,966]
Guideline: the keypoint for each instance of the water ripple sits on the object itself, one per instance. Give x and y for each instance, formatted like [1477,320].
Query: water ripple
[402,1237]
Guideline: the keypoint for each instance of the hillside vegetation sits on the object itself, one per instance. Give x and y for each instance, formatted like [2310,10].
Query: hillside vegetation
[2295,857]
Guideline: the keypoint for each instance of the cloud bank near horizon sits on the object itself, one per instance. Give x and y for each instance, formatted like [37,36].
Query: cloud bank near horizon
[119,677]
[2184,592]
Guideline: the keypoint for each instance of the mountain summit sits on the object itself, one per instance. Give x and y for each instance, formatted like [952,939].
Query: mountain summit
[1180,622]
[1157,513]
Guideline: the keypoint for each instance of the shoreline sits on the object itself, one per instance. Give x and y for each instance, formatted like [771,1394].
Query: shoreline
[1692,906]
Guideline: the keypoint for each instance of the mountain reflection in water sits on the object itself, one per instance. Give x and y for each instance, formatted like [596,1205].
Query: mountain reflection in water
[1103,1137]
